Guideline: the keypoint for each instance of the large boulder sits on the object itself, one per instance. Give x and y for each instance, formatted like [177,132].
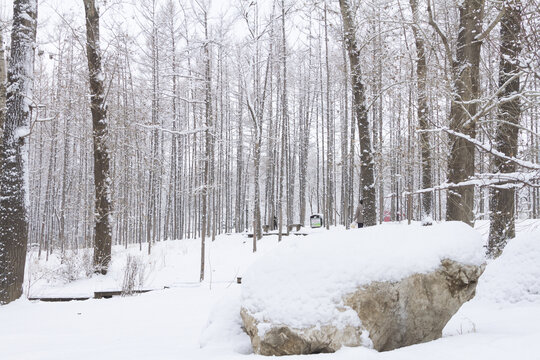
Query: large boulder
[392,315]
[294,302]
[415,309]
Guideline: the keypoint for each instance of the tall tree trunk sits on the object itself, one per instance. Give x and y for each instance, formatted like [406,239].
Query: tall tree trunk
[466,88]
[2,84]
[14,152]
[361,115]
[102,178]
[208,145]
[502,226]
[422,110]
[330,133]
[284,120]
[238,208]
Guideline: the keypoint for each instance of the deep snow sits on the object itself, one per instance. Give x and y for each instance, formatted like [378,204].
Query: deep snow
[201,321]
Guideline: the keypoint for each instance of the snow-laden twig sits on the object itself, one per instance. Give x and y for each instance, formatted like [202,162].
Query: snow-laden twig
[487,148]
[493,180]
[174,132]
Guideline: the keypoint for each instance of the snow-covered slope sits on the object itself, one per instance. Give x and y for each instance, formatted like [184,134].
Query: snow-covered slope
[515,276]
[508,293]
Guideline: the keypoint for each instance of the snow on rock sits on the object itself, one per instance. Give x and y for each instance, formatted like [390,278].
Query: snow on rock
[302,282]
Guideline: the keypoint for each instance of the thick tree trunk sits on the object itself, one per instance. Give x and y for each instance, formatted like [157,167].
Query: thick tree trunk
[2,84]
[361,115]
[502,226]
[466,88]
[422,111]
[14,152]
[102,178]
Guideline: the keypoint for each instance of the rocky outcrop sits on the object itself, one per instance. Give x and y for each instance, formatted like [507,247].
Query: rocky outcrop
[284,340]
[392,314]
[415,309]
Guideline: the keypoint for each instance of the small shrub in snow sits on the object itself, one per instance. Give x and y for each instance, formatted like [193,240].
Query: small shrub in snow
[76,266]
[133,274]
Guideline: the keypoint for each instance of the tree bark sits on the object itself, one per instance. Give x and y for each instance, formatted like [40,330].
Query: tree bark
[102,178]
[361,114]
[208,146]
[422,111]
[2,84]
[502,225]
[466,89]
[330,133]
[284,120]
[14,152]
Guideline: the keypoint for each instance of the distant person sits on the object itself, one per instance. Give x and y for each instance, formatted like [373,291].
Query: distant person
[359,216]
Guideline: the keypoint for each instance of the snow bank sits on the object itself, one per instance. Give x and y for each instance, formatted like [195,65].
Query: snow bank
[514,276]
[303,280]
[224,326]
[507,297]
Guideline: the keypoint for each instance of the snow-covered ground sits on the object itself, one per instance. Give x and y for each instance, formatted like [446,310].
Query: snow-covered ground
[190,320]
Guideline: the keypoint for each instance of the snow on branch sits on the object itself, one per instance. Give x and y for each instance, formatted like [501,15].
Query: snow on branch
[182,132]
[487,148]
[493,180]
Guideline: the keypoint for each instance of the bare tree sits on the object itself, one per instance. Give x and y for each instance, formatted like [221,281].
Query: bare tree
[208,161]
[502,206]
[14,152]
[2,82]
[98,106]
[465,75]
[361,114]
[422,109]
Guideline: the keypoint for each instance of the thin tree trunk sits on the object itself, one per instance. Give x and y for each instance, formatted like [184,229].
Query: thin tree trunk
[422,111]
[330,137]
[208,145]
[285,119]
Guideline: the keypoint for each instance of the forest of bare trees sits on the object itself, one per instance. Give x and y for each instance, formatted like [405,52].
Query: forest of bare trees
[172,119]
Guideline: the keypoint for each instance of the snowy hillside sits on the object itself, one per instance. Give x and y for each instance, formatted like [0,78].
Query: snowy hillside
[201,321]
